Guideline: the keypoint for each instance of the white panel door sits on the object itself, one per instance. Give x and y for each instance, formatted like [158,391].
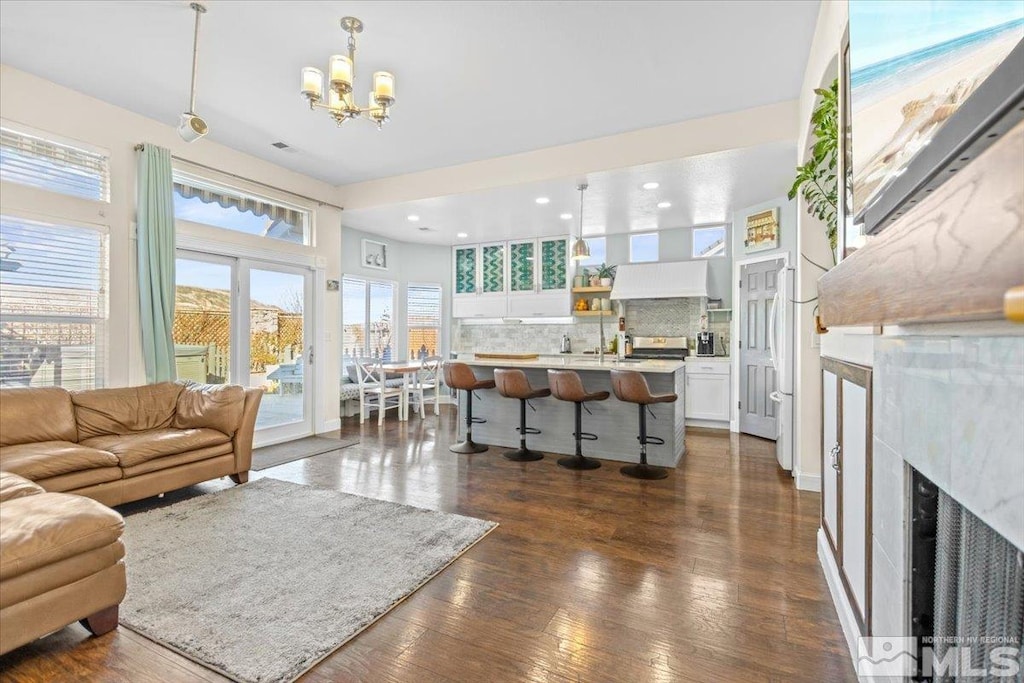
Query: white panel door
[830,447]
[854,486]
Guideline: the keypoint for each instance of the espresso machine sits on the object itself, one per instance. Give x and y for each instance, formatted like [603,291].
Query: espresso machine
[705,343]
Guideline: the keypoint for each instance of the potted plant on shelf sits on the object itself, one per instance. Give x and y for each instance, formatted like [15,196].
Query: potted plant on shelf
[594,278]
[606,274]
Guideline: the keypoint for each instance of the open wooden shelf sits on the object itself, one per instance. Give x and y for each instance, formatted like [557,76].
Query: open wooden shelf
[590,290]
[594,313]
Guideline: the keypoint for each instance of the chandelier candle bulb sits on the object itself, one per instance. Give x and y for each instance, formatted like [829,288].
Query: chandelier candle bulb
[334,101]
[384,87]
[341,73]
[312,83]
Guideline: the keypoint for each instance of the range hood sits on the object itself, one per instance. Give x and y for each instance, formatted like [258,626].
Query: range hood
[661,280]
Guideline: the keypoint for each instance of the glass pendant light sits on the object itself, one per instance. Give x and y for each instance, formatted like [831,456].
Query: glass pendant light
[580,250]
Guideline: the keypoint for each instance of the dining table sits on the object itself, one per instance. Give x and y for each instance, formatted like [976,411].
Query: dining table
[407,369]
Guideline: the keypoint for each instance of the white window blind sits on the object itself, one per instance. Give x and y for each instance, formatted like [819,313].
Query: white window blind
[423,318]
[367,319]
[53,304]
[49,165]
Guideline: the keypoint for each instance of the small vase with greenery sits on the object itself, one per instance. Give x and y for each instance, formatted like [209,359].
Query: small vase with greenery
[816,180]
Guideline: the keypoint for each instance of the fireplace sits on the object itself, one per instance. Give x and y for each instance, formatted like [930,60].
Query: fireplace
[966,591]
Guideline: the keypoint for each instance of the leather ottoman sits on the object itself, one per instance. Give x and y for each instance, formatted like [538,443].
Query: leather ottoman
[61,561]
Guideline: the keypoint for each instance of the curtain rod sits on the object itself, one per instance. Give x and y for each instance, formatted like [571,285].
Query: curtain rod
[141,146]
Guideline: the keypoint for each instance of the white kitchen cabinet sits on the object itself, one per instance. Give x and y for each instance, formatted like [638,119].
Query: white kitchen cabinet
[846,479]
[519,278]
[708,390]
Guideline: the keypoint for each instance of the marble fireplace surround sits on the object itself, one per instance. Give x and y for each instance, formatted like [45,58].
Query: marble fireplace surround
[951,407]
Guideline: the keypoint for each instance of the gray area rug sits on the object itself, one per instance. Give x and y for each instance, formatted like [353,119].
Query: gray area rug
[260,582]
[279,454]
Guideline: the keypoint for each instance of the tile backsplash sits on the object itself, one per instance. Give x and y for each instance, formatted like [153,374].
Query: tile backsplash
[670,317]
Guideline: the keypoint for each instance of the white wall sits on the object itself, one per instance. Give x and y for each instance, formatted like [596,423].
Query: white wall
[407,262]
[45,106]
[821,69]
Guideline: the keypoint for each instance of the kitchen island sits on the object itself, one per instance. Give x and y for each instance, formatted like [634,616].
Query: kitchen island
[614,422]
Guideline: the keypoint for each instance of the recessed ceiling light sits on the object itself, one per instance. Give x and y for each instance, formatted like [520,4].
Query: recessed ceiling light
[413,217]
[542,200]
[462,235]
[651,185]
[664,205]
[565,216]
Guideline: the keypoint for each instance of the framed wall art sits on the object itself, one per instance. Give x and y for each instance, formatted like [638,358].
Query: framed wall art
[762,231]
[375,255]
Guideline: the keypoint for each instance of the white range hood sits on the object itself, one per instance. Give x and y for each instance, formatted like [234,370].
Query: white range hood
[661,280]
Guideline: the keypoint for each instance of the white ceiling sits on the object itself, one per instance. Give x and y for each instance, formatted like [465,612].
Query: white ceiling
[702,190]
[475,80]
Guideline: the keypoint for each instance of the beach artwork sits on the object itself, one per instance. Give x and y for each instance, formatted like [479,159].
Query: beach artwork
[912,64]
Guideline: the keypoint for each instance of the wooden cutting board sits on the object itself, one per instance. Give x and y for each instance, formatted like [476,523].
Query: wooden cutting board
[506,356]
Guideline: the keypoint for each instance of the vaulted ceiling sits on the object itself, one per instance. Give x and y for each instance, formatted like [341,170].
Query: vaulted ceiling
[475,80]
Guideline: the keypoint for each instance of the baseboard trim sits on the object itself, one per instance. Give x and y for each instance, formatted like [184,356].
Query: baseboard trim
[847,620]
[808,482]
[708,424]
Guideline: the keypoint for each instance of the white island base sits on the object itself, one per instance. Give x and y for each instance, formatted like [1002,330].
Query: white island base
[615,423]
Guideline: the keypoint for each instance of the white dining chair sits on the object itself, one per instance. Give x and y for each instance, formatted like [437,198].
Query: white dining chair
[428,379]
[373,390]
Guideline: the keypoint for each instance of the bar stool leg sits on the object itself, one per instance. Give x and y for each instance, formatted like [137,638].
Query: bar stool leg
[524,454]
[468,445]
[578,461]
[643,470]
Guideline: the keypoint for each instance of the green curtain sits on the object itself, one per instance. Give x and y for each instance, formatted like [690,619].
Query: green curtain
[155,204]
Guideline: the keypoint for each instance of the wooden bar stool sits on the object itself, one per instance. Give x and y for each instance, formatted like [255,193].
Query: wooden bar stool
[512,383]
[631,387]
[566,385]
[460,376]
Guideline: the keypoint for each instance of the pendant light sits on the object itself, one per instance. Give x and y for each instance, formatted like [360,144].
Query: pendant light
[580,250]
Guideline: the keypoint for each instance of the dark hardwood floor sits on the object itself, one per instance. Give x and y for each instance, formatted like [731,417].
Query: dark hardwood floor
[709,575]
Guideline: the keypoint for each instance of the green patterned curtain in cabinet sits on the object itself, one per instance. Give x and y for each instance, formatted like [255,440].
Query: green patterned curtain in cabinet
[552,272]
[493,263]
[465,270]
[521,266]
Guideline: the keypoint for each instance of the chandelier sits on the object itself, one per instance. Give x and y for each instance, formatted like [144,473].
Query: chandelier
[341,70]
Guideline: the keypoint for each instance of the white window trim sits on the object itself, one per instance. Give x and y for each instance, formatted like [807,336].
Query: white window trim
[725,240]
[102,358]
[440,313]
[215,181]
[644,234]
[366,307]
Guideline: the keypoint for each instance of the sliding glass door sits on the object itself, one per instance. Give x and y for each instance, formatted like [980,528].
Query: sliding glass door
[246,322]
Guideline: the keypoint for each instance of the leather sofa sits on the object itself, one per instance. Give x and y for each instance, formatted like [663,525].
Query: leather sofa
[60,562]
[120,445]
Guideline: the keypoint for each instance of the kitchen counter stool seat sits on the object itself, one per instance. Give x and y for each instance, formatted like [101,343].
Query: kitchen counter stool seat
[631,387]
[566,385]
[512,383]
[460,376]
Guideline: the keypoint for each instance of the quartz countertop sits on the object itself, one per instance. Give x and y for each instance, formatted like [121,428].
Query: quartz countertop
[577,362]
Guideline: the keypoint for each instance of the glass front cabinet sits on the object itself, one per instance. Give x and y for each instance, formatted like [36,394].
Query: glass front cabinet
[518,278]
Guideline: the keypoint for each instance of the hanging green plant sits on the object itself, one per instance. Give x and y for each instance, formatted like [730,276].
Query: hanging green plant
[816,179]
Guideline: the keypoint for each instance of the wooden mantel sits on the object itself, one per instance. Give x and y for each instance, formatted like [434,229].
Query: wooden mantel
[953,257]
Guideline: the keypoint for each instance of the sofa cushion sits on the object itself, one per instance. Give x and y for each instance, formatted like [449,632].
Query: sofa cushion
[13,486]
[30,414]
[47,459]
[187,458]
[217,406]
[134,449]
[101,412]
[49,527]
[73,481]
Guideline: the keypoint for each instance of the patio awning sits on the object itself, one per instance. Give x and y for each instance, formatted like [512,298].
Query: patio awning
[275,212]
